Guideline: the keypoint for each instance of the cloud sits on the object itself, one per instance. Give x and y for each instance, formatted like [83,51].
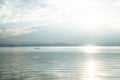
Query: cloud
[35,12]
[44,12]
[21,11]
[12,32]
[116,4]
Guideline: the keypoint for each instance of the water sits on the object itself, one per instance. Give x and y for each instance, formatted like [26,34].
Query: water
[60,63]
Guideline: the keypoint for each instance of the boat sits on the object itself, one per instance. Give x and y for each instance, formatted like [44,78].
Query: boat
[37,48]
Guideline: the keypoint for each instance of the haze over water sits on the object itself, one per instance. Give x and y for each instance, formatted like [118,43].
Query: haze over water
[60,63]
[56,23]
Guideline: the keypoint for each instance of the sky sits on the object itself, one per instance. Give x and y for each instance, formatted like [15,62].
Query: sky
[60,21]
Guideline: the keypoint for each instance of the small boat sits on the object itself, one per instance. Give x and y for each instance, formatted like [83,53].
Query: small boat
[37,48]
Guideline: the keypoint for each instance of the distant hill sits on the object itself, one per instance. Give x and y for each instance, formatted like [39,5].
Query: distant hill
[39,44]
[53,44]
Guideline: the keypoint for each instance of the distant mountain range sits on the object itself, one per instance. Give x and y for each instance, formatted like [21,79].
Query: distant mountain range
[53,44]
[39,44]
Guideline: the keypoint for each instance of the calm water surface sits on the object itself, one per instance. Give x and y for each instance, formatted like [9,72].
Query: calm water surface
[59,63]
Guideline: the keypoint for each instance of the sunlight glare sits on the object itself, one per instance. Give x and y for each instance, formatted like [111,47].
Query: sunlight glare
[86,15]
[90,49]
[91,70]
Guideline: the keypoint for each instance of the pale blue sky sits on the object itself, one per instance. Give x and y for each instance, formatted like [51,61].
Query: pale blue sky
[71,21]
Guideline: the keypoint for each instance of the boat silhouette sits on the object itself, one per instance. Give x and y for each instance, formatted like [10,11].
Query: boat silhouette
[37,48]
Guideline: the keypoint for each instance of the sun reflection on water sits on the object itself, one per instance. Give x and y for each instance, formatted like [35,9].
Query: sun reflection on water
[91,70]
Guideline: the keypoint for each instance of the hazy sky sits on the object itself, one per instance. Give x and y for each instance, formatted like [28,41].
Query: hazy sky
[76,21]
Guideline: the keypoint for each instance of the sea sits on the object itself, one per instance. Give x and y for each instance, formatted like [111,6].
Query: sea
[60,63]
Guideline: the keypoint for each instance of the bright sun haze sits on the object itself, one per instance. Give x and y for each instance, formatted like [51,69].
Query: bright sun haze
[60,21]
[90,49]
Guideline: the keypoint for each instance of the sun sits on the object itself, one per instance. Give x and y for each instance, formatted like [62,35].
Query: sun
[90,49]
